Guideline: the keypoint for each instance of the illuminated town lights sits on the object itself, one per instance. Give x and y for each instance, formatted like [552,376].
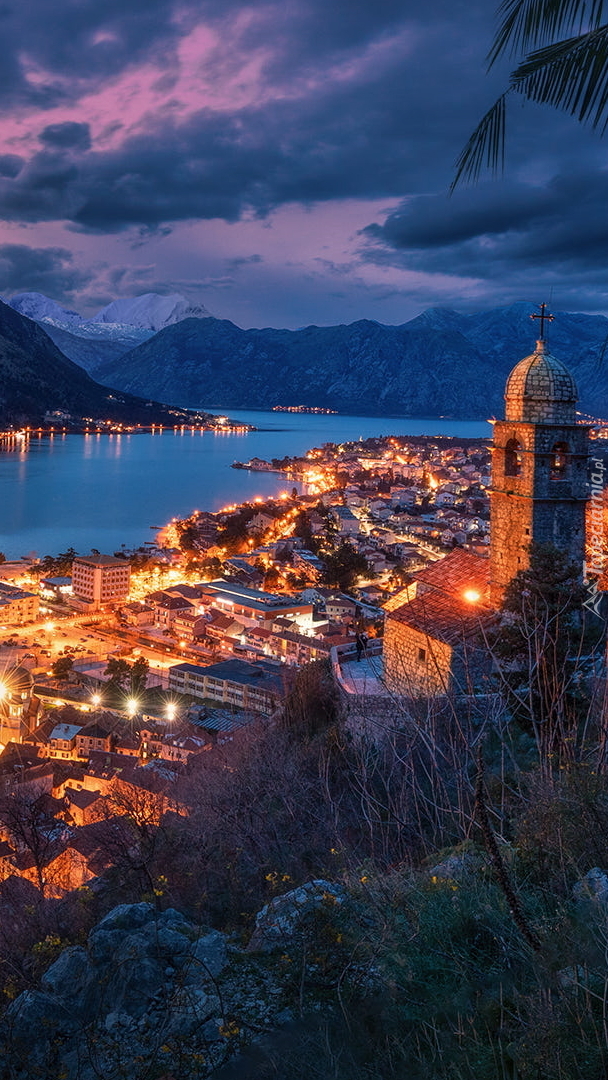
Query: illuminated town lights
[472,596]
[96,700]
[49,627]
[171,710]
[132,706]
[3,691]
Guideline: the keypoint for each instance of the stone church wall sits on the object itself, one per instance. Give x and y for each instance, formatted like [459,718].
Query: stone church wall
[415,664]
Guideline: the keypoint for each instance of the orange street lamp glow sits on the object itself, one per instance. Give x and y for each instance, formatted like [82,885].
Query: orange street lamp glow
[472,596]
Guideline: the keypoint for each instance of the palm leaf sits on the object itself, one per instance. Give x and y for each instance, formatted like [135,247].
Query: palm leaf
[486,146]
[571,75]
[529,24]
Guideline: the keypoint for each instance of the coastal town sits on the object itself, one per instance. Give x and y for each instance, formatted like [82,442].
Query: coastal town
[120,671]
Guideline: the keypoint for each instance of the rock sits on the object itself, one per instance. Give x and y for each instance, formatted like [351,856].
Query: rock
[277,922]
[594,887]
[69,976]
[143,998]
[126,917]
[209,953]
[455,867]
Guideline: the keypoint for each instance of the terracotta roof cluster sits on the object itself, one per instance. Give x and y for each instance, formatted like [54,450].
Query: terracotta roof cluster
[443,617]
[441,609]
[457,572]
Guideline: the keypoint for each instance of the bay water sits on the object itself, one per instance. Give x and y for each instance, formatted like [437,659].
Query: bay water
[104,491]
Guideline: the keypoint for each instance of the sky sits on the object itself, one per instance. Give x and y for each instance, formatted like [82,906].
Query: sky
[283,163]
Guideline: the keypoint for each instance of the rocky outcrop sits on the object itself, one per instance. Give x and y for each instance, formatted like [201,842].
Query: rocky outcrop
[144,989]
[280,921]
[152,994]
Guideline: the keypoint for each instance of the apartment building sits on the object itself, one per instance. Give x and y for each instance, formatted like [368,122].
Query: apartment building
[16,605]
[99,580]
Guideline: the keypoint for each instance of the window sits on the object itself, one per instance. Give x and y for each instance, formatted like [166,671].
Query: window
[560,461]
[513,458]
[422,655]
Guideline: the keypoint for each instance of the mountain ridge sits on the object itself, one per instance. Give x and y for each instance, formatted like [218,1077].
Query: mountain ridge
[115,329]
[441,363]
[36,378]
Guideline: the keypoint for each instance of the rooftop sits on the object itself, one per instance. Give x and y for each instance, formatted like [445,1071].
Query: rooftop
[540,389]
[101,560]
[457,572]
[443,617]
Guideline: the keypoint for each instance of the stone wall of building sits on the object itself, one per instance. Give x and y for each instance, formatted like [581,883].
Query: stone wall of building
[415,664]
[539,494]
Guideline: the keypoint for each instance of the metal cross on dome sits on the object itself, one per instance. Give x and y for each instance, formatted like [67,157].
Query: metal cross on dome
[544,317]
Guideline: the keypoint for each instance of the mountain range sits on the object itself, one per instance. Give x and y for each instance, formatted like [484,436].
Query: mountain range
[36,378]
[114,330]
[441,363]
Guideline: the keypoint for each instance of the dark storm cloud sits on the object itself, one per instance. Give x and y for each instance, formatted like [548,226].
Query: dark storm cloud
[482,231]
[382,127]
[10,164]
[50,52]
[243,260]
[510,236]
[47,270]
[67,135]
[304,102]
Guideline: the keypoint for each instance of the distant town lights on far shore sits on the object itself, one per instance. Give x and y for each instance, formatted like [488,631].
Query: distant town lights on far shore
[472,596]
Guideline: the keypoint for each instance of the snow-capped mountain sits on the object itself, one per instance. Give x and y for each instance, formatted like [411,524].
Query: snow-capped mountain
[38,307]
[117,328]
[151,311]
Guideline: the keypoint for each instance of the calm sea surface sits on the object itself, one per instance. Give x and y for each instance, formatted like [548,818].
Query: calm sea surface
[101,491]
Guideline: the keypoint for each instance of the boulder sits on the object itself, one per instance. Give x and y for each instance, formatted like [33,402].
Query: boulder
[145,975]
[593,886]
[279,921]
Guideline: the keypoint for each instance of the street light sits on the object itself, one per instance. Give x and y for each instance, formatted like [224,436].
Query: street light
[132,705]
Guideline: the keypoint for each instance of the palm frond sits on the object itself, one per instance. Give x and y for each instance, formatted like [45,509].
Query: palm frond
[530,24]
[486,146]
[571,75]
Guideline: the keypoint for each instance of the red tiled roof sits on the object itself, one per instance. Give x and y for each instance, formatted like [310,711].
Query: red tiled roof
[82,798]
[458,571]
[445,618]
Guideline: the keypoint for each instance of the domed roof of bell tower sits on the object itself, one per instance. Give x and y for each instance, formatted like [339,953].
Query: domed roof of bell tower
[541,390]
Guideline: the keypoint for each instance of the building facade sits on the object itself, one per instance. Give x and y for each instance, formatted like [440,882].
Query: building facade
[100,580]
[17,606]
[435,641]
[539,469]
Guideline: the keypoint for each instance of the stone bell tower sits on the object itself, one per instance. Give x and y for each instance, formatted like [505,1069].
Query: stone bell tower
[539,468]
